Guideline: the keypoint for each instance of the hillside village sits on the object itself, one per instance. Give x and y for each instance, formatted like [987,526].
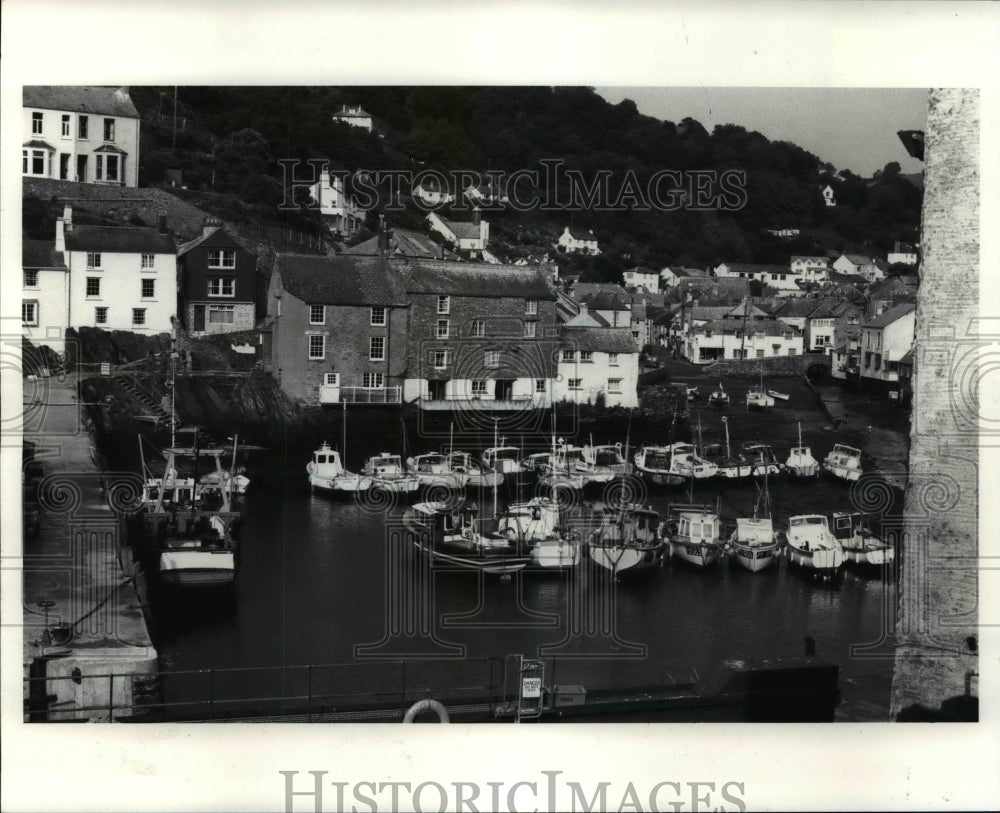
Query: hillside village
[467,303]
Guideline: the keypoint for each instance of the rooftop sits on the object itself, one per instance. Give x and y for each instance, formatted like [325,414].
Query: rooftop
[476,279]
[340,280]
[892,315]
[120,240]
[184,248]
[105,101]
[599,339]
[40,254]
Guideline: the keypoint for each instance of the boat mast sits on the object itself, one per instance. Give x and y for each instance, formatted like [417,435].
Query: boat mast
[725,423]
[343,442]
[496,486]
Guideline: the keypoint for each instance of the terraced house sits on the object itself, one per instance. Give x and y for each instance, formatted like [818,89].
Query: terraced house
[84,134]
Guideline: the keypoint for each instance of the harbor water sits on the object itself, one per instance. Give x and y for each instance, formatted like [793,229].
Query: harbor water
[328,581]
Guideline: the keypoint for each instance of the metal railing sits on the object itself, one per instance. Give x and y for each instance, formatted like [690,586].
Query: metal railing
[364,690]
[378,395]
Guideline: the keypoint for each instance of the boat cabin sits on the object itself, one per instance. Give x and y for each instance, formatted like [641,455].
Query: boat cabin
[433,463]
[326,462]
[698,527]
[630,525]
[847,523]
[384,463]
[755,531]
[606,456]
[502,458]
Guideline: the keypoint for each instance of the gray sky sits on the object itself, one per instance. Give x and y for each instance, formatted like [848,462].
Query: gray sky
[852,128]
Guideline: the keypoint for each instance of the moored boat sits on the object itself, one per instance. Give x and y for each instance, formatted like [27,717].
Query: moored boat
[694,534]
[861,546]
[386,472]
[455,538]
[801,462]
[628,540]
[719,398]
[730,466]
[755,542]
[503,458]
[327,473]
[813,547]
[761,457]
[603,463]
[843,462]
[476,475]
[780,396]
[434,471]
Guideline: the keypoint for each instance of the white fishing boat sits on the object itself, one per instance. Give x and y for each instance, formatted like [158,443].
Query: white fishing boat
[861,546]
[476,476]
[503,458]
[844,462]
[780,396]
[801,462]
[628,541]
[535,523]
[232,479]
[433,470]
[455,538]
[386,472]
[327,473]
[761,457]
[695,534]
[655,465]
[602,463]
[755,542]
[719,398]
[730,466]
[757,398]
[813,547]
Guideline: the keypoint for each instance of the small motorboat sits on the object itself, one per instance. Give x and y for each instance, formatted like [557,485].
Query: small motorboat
[719,398]
[694,534]
[844,462]
[386,472]
[801,462]
[327,473]
[433,470]
[693,393]
[454,538]
[628,540]
[603,463]
[781,396]
[731,467]
[502,458]
[757,398]
[475,475]
[761,457]
[755,541]
[861,546]
[813,547]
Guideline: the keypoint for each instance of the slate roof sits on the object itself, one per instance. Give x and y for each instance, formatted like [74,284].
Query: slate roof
[40,254]
[463,229]
[607,301]
[475,279]
[796,308]
[741,310]
[582,290]
[184,248]
[598,339]
[754,268]
[907,358]
[581,234]
[403,242]
[587,319]
[120,240]
[824,311]
[769,327]
[804,257]
[38,144]
[321,280]
[103,101]
[891,315]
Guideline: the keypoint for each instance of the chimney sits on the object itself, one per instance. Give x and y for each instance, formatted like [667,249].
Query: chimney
[63,224]
[209,224]
[383,237]
[161,223]
[68,217]
[477,216]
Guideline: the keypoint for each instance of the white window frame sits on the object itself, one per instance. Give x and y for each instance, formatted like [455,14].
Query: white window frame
[478,330]
[105,129]
[37,123]
[574,384]
[439,359]
[586,356]
[87,286]
[97,313]
[443,328]
[310,353]
[529,329]
[228,310]
[376,309]
[615,386]
[138,317]
[93,259]
[142,288]
[30,278]
[312,315]
[568,356]
[443,304]
[331,379]
[478,387]
[222,287]
[372,381]
[225,258]
[612,359]
[30,305]
[530,307]
[378,341]
[82,128]
[148,262]
[492,359]
[65,130]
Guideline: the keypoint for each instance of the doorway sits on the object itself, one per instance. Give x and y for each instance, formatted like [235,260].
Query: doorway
[81,168]
[504,390]
[199,319]
[436,390]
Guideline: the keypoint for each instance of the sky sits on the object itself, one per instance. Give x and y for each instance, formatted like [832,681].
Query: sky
[851,128]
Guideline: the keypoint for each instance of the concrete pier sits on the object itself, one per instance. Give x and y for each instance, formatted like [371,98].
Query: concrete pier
[86,644]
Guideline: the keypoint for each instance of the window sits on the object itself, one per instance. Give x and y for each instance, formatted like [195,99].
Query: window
[444,304]
[576,383]
[568,355]
[614,385]
[138,316]
[30,279]
[540,385]
[106,170]
[791,351]
[93,286]
[221,314]
[29,314]
[100,316]
[376,348]
[478,388]
[148,288]
[530,307]
[760,354]
[93,260]
[439,359]
[149,261]
[222,286]
[529,330]
[586,356]
[221,258]
[478,328]
[372,381]
[36,123]
[331,379]
[317,347]
[492,358]
[109,129]
[317,314]
[65,126]
[378,315]
[442,328]
[33,162]
[613,359]
[83,128]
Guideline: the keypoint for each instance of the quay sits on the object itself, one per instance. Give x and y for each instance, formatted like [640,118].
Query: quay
[87,650]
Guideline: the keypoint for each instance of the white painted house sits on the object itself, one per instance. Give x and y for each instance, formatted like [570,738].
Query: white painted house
[903,253]
[642,277]
[863,265]
[85,134]
[339,212]
[741,333]
[578,241]
[829,196]
[354,115]
[779,277]
[120,277]
[44,294]
[884,342]
[597,361]
[469,238]
[672,277]
[810,269]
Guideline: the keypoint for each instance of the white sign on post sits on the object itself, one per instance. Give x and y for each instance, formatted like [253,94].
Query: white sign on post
[531,687]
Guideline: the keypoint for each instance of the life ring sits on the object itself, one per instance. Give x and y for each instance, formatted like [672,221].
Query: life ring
[468,534]
[427,705]
[311,468]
